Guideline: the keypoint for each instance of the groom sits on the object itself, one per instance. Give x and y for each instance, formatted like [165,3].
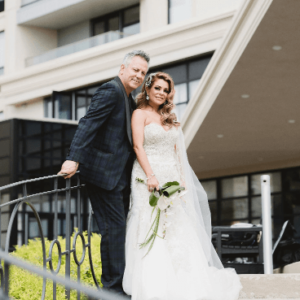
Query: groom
[102,146]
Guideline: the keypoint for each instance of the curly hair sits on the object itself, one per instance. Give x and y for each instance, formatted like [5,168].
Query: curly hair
[165,110]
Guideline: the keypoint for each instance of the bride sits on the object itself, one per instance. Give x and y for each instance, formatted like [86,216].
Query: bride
[182,264]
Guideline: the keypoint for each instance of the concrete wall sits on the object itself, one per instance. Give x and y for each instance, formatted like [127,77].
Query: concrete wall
[204,9]
[22,42]
[29,110]
[153,14]
[73,33]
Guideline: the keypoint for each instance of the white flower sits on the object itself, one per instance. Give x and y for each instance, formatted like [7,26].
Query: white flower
[163,202]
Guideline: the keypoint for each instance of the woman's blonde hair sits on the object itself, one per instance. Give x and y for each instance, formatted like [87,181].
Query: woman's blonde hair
[167,117]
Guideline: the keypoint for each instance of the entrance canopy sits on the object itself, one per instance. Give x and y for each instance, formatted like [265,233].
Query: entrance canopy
[245,115]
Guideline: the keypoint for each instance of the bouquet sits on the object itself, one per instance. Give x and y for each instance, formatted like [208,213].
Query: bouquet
[161,201]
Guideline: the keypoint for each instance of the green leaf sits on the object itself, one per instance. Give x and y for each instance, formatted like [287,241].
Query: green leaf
[171,183]
[172,190]
[153,199]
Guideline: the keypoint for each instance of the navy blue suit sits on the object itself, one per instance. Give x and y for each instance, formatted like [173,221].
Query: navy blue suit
[103,146]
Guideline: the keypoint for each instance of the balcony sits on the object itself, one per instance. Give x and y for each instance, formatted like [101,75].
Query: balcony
[57,14]
[88,43]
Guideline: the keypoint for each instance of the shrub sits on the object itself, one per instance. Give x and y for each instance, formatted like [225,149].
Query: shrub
[24,285]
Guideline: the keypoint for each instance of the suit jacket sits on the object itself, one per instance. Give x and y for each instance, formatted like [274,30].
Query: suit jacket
[103,141]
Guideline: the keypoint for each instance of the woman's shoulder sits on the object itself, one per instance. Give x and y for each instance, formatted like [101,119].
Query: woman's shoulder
[139,112]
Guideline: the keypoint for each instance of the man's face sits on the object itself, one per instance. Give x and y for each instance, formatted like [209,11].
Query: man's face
[133,76]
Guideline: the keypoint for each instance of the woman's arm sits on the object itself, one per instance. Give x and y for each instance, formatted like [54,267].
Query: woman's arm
[137,124]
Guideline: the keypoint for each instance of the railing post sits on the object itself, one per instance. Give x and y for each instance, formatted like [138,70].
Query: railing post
[267,227]
[68,230]
[79,226]
[25,216]
[55,225]
[6,278]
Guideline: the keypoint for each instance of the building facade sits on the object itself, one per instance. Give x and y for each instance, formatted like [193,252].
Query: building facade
[55,54]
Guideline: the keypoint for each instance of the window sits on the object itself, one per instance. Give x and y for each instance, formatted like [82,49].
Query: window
[2,52]
[186,77]
[238,199]
[179,10]
[1,115]
[69,105]
[74,105]
[1,5]
[126,21]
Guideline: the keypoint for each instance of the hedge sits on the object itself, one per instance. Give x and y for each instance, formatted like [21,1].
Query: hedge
[24,285]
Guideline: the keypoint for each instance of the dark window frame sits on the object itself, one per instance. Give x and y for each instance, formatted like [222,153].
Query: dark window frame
[119,14]
[2,6]
[282,216]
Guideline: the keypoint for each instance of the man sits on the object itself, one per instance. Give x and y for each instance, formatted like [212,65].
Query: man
[102,146]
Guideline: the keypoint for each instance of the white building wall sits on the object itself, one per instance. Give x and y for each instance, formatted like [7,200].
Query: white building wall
[166,43]
[153,14]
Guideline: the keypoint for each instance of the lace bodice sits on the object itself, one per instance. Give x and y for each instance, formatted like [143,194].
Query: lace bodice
[159,143]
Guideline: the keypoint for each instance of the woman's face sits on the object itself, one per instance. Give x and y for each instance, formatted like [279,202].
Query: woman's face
[158,92]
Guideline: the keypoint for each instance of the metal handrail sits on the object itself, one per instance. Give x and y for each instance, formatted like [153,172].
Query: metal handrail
[25,199]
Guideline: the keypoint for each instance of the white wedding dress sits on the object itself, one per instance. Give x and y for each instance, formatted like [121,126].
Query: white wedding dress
[183,265]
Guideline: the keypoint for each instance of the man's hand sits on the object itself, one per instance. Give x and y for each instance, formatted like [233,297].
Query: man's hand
[69,167]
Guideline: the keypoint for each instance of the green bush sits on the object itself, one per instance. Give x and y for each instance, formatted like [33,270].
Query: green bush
[24,285]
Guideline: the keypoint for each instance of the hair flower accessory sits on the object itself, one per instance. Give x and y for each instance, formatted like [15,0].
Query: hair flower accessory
[149,79]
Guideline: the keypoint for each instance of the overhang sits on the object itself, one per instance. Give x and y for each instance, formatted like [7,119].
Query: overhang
[244,116]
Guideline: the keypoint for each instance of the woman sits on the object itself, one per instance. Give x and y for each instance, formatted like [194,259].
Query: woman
[182,264]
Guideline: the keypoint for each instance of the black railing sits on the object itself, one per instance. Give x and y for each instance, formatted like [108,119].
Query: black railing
[69,249]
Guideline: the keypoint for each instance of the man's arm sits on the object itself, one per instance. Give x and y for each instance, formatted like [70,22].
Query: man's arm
[103,102]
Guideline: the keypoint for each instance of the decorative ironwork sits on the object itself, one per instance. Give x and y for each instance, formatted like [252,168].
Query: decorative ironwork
[4,274]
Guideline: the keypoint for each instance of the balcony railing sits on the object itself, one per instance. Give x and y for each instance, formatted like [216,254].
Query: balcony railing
[91,42]
[70,250]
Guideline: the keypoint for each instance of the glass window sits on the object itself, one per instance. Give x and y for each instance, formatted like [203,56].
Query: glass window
[192,87]
[178,73]
[2,52]
[210,188]
[292,179]
[197,68]
[181,93]
[1,5]
[179,10]
[126,21]
[81,111]
[62,106]
[99,28]
[214,212]
[113,24]
[234,209]
[179,110]
[235,187]
[132,15]
[275,181]
[1,115]
[48,108]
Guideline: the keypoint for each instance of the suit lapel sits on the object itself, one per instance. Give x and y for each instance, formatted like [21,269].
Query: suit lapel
[127,108]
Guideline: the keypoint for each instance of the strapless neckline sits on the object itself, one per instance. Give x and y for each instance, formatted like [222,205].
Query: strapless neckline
[158,126]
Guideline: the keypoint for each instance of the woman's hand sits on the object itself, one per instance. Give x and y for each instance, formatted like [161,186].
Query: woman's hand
[152,183]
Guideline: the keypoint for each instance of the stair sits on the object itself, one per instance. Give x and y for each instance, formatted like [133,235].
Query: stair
[275,286]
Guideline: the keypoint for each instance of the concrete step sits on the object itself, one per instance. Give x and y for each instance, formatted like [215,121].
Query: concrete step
[291,268]
[275,286]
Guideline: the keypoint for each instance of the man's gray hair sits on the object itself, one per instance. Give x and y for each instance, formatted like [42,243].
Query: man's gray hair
[129,56]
